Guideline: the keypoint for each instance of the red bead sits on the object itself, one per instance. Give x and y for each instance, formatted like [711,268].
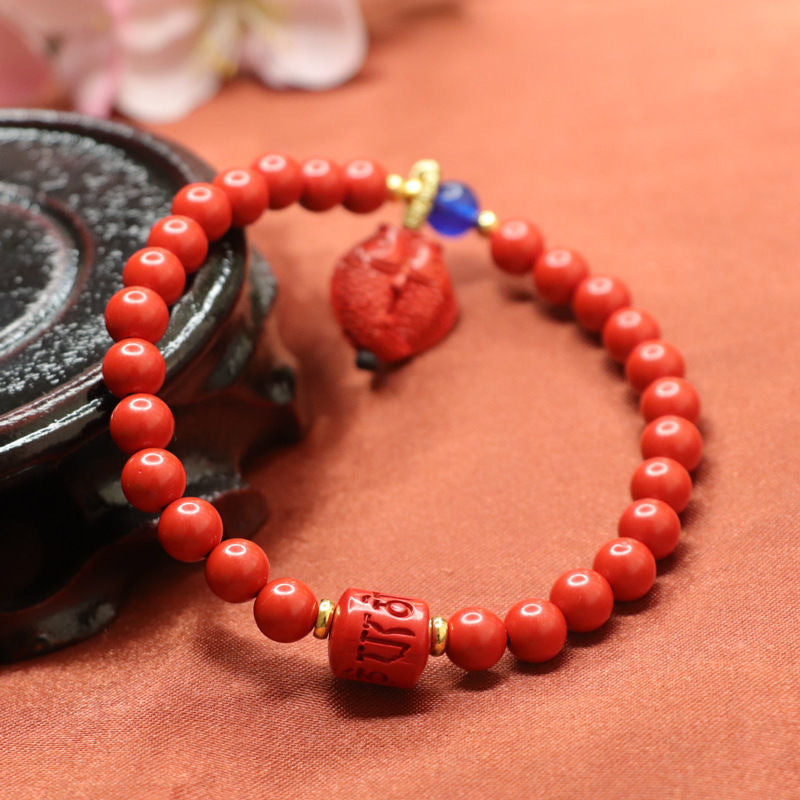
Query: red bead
[136,312]
[476,639]
[536,629]
[237,570]
[153,478]
[206,204]
[182,236]
[285,610]
[364,185]
[675,438]
[652,522]
[157,269]
[670,396]
[663,479]
[628,566]
[139,421]
[584,598]
[379,638]
[247,193]
[515,245]
[557,274]
[626,328]
[651,360]
[596,298]
[323,184]
[133,365]
[189,529]
[283,177]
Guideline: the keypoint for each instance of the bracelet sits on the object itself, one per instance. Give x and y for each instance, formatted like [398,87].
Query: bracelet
[393,298]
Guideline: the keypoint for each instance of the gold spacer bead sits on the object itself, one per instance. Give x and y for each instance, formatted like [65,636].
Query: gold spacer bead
[438,626]
[412,187]
[322,627]
[395,185]
[487,223]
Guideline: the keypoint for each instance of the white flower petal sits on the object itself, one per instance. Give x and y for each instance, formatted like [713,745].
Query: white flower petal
[317,44]
[88,64]
[150,26]
[221,41]
[26,77]
[165,86]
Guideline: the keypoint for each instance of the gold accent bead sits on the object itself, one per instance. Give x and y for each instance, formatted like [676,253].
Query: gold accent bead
[438,626]
[395,185]
[412,187]
[322,627]
[487,222]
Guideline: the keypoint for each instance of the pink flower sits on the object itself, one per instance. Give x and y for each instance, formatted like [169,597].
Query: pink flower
[159,59]
[25,74]
[67,45]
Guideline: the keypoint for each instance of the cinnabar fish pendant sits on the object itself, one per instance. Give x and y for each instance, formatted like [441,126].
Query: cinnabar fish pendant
[392,294]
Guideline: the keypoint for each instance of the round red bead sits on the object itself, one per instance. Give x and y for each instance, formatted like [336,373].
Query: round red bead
[285,610]
[237,570]
[189,529]
[136,312]
[628,566]
[584,598]
[663,479]
[283,177]
[206,204]
[651,360]
[596,298]
[153,478]
[182,236]
[536,630]
[140,421]
[157,269]
[653,523]
[364,185]
[557,273]
[323,184]
[133,365]
[247,192]
[476,639]
[626,328]
[675,438]
[515,245]
[670,396]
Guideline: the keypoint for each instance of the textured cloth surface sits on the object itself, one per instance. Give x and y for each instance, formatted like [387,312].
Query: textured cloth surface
[661,140]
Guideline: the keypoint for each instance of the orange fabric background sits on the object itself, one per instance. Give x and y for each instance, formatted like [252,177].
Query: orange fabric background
[659,138]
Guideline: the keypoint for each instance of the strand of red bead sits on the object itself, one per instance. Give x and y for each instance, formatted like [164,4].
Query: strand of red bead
[237,570]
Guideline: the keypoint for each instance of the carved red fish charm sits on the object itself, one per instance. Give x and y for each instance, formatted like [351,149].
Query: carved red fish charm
[392,294]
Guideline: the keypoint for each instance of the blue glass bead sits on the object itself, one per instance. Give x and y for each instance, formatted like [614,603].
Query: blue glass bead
[455,209]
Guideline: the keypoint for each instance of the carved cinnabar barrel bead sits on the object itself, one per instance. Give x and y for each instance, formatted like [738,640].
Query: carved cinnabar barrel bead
[379,638]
